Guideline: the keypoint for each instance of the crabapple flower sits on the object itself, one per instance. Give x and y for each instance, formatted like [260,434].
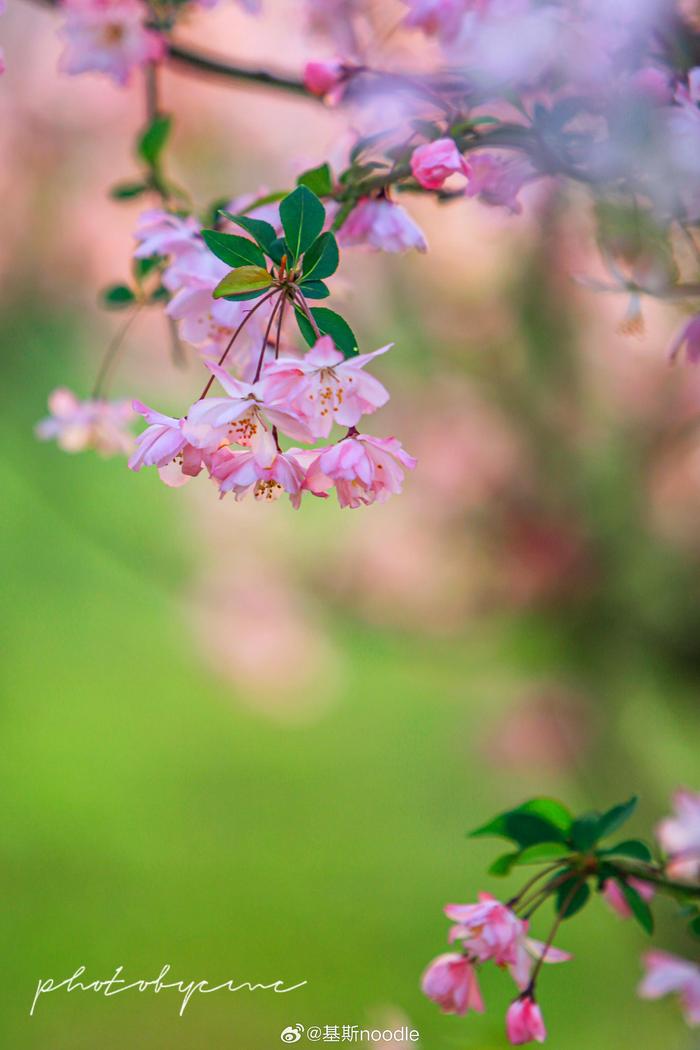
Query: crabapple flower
[324,387]
[688,340]
[363,469]
[164,445]
[108,36]
[490,930]
[434,162]
[497,180]
[77,425]
[524,1022]
[262,468]
[666,973]
[451,982]
[160,232]
[679,836]
[382,225]
[616,898]
[242,414]
[327,79]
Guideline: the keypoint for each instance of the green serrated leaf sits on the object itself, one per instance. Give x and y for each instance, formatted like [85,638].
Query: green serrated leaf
[322,258]
[153,140]
[232,249]
[124,191]
[243,280]
[319,180]
[264,233]
[329,323]
[314,289]
[633,848]
[638,906]
[503,864]
[570,901]
[543,851]
[117,297]
[302,216]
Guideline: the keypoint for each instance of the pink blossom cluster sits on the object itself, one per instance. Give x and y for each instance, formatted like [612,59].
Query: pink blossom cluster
[490,931]
[679,837]
[96,424]
[236,437]
[191,275]
[108,36]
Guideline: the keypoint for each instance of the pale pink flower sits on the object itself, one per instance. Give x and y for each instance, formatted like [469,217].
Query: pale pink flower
[242,415]
[77,425]
[688,339]
[380,224]
[616,898]
[324,387]
[327,79]
[434,162]
[163,445]
[492,930]
[108,36]
[451,982]
[159,232]
[362,468]
[666,973]
[497,179]
[441,18]
[524,1022]
[679,836]
[261,468]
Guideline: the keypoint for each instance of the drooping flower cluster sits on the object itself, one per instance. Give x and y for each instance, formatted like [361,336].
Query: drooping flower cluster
[573,855]
[236,437]
[490,931]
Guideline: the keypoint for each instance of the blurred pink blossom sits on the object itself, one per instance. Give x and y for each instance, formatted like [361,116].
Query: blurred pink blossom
[524,1022]
[679,836]
[666,973]
[433,163]
[108,36]
[78,425]
[382,225]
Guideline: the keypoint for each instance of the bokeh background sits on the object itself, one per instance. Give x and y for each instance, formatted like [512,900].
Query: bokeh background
[249,742]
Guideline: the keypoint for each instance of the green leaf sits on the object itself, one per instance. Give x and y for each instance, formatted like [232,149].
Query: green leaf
[616,817]
[322,258]
[319,180]
[117,297]
[314,289]
[303,217]
[124,191]
[329,323]
[503,864]
[633,848]
[264,233]
[153,140]
[568,905]
[694,926]
[278,249]
[543,851]
[243,280]
[638,906]
[142,267]
[538,820]
[232,249]
[584,831]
